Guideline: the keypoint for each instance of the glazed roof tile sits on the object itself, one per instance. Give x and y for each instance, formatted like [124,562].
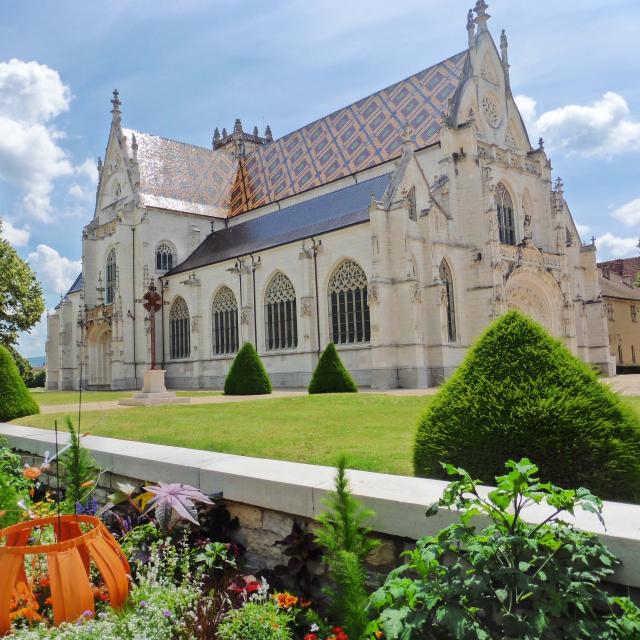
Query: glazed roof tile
[183,177]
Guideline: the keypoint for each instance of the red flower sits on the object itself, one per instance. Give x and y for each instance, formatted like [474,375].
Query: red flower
[311,636]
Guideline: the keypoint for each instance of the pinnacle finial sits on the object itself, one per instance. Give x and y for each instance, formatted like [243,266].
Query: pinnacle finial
[406,133]
[256,133]
[470,23]
[503,40]
[134,147]
[237,127]
[559,185]
[115,106]
[268,136]
[224,132]
[541,144]
[99,165]
[216,138]
[481,15]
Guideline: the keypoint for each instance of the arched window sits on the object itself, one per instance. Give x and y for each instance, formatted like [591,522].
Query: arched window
[165,256]
[411,200]
[179,329]
[281,325]
[348,304]
[447,280]
[224,322]
[110,280]
[506,223]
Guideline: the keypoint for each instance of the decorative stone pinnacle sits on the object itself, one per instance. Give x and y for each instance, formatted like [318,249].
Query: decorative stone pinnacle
[237,127]
[470,23]
[481,14]
[503,40]
[268,135]
[256,133]
[541,144]
[134,147]
[224,132]
[216,134]
[406,132]
[99,165]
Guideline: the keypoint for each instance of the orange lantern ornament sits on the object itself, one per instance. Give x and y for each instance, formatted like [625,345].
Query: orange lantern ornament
[68,562]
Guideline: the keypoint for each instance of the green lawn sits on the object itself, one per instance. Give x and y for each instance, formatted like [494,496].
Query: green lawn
[375,431]
[71,397]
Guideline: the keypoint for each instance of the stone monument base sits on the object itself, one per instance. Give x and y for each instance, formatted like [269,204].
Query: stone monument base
[153,392]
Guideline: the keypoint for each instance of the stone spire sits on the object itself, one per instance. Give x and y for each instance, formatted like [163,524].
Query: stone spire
[216,138]
[504,52]
[481,15]
[224,132]
[268,136]
[237,127]
[256,133]
[116,114]
[134,149]
[471,29]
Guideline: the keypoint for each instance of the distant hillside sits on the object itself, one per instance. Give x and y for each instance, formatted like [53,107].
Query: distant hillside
[37,361]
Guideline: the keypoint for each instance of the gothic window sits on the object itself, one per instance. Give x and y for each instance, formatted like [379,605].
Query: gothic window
[165,256]
[506,223]
[110,280]
[609,307]
[281,323]
[348,304]
[411,198]
[447,281]
[179,329]
[224,322]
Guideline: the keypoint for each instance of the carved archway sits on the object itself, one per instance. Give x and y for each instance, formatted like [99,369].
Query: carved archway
[99,342]
[537,295]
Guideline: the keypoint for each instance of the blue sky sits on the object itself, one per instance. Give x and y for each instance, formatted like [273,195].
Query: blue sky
[185,67]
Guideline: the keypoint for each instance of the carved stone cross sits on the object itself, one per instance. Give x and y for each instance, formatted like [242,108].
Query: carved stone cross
[152,303]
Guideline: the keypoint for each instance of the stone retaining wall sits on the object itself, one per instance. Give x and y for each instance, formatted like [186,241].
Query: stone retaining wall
[267,495]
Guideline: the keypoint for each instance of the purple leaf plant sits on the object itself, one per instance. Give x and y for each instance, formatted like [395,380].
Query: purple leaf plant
[175,498]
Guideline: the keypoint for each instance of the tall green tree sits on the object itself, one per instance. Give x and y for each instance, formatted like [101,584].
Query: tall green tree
[21,299]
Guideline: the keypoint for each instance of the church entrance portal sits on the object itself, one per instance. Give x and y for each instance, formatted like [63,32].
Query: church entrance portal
[100,359]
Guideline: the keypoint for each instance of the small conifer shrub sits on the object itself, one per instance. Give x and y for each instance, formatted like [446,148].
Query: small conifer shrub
[330,375]
[15,399]
[521,393]
[247,376]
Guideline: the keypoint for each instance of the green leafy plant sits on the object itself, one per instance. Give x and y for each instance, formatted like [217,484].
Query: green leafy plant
[15,399]
[510,579]
[259,619]
[345,536]
[520,392]
[80,469]
[247,375]
[14,487]
[330,375]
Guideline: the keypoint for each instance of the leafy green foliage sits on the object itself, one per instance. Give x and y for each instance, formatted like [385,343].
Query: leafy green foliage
[14,487]
[247,375]
[330,375]
[520,392]
[258,620]
[15,400]
[510,579]
[21,300]
[346,538]
[79,469]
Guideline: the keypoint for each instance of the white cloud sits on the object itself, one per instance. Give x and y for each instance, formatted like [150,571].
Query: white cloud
[31,96]
[87,174]
[628,213]
[16,236]
[55,272]
[610,246]
[604,128]
[32,343]
[583,229]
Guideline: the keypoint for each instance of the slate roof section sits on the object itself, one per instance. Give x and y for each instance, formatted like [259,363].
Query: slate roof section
[615,288]
[336,210]
[362,135]
[182,177]
[76,286]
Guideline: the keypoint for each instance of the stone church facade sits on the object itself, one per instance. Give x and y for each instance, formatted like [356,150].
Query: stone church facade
[398,227]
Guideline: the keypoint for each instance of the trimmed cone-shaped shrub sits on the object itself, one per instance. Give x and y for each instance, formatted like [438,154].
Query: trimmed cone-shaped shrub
[247,376]
[330,375]
[15,400]
[521,393]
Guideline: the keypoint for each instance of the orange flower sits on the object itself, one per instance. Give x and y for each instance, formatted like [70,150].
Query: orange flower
[31,473]
[305,604]
[378,634]
[88,483]
[286,600]
[49,601]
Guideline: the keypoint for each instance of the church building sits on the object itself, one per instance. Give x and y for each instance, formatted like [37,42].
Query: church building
[397,228]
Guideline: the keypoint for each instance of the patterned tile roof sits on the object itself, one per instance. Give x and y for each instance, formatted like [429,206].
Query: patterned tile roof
[351,139]
[182,177]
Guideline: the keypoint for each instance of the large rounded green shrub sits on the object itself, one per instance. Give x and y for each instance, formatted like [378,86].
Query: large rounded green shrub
[15,400]
[330,375]
[247,376]
[521,393]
